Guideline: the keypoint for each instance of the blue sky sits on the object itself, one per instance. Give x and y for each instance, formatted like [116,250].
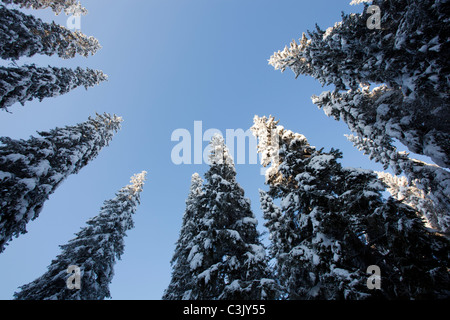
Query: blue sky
[169,63]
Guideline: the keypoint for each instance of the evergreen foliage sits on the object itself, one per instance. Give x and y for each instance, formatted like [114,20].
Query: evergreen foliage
[31,170]
[407,58]
[227,260]
[68,6]
[180,286]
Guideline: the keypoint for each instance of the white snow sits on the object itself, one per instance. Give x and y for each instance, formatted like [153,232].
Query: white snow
[15,157]
[4,175]
[196,261]
[234,234]
[29,183]
[341,273]
[41,168]
[320,162]
[206,275]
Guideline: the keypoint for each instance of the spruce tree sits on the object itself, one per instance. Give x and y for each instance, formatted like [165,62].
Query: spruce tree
[227,258]
[21,84]
[333,223]
[25,35]
[180,286]
[280,232]
[68,6]
[383,114]
[408,56]
[94,250]
[31,170]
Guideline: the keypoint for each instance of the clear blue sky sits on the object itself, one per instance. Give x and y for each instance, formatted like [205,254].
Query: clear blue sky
[170,63]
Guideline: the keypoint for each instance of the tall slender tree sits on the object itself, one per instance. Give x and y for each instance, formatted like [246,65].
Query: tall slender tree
[180,286]
[227,258]
[31,170]
[383,114]
[22,84]
[95,251]
[333,223]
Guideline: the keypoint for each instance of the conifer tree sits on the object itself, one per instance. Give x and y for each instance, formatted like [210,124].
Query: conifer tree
[21,84]
[404,62]
[68,6]
[25,35]
[280,232]
[31,170]
[227,258]
[406,52]
[180,286]
[406,56]
[94,250]
[333,223]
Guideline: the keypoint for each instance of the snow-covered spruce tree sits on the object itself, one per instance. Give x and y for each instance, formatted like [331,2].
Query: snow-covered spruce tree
[25,35]
[368,117]
[431,179]
[407,51]
[180,286]
[227,259]
[407,55]
[94,250]
[332,223]
[312,258]
[68,6]
[21,84]
[31,170]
